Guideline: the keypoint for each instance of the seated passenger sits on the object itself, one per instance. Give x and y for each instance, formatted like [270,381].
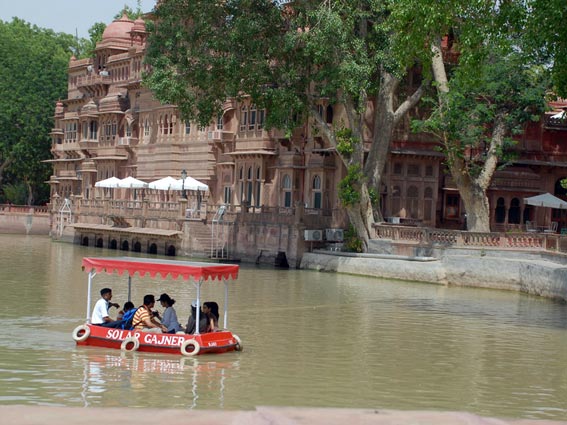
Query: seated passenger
[128,305]
[144,319]
[169,314]
[100,315]
[122,317]
[211,309]
[203,320]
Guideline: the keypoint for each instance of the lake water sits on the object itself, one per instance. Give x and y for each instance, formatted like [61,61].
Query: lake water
[310,339]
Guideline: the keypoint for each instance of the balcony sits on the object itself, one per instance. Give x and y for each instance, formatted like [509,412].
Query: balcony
[94,85]
[127,141]
[220,136]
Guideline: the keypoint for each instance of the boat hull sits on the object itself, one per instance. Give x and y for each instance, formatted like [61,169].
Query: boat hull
[211,342]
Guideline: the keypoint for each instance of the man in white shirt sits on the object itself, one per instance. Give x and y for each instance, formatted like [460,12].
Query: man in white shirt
[100,313]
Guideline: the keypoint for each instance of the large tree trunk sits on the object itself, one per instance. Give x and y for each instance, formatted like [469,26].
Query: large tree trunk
[385,121]
[361,217]
[472,189]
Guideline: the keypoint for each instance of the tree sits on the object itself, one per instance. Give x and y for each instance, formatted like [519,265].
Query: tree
[288,59]
[87,47]
[485,97]
[33,75]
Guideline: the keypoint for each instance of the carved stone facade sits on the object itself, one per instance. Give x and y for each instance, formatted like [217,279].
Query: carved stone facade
[110,125]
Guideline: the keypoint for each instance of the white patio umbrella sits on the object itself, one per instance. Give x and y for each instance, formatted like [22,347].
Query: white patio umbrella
[132,183]
[110,182]
[162,184]
[189,184]
[546,200]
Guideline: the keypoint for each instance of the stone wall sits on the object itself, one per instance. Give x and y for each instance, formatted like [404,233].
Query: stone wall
[536,274]
[24,223]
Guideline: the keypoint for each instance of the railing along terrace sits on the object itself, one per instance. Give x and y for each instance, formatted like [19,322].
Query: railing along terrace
[24,209]
[457,238]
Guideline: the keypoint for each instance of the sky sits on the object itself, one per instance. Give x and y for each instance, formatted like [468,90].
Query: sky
[67,16]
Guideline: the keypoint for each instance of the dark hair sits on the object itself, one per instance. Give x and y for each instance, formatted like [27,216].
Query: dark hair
[105,291]
[166,299]
[148,299]
[214,307]
[128,305]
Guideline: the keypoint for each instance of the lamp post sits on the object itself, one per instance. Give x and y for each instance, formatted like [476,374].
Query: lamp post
[183,177]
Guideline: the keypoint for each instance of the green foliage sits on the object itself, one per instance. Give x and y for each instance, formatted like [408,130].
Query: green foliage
[131,13]
[502,84]
[352,243]
[349,192]
[16,194]
[33,75]
[345,142]
[87,47]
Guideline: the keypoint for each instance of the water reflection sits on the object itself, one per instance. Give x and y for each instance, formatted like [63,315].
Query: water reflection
[310,339]
[203,378]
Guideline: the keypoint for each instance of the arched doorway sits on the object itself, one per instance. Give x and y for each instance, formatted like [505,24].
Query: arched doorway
[170,251]
[137,247]
[99,243]
[113,244]
[152,249]
[85,241]
[125,246]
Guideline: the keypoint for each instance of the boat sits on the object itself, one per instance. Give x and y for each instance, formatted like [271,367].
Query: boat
[220,341]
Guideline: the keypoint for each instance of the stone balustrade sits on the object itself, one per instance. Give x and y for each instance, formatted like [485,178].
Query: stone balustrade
[24,209]
[456,238]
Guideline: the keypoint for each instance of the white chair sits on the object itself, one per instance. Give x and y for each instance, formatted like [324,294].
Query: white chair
[531,226]
[552,228]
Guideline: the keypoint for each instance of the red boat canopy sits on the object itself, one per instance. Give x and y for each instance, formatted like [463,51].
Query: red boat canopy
[177,269]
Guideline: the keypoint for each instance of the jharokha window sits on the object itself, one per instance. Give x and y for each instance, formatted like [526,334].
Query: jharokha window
[251,118]
[286,190]
[317,194]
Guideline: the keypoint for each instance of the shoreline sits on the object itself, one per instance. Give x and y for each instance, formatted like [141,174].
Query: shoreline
[513,271]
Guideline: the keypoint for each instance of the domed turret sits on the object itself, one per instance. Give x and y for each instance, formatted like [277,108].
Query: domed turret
[118,29]
[89,109]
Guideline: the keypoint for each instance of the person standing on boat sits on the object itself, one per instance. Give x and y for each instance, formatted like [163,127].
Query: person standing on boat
[100,312]
[144,318]
[169,317]
[203,320]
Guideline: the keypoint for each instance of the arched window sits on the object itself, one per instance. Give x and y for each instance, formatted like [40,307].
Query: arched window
[252,118]
[258,187]
[514,212]
[329,114]
[286,189]
[219,122]
[146,128]
[500,211]
[428,204]
[165,125]
[187,127]
[93,129]
[261,119]
[412,201]
[317,193]
[396,200]
[243,118]
[249,186]
[241,183]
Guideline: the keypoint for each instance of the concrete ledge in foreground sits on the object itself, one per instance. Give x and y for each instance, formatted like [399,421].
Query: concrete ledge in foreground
[41,415]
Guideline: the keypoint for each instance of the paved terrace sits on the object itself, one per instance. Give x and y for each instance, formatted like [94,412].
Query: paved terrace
[38,415]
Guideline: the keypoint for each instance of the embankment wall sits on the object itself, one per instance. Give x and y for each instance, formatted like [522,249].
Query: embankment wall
[24,223]
[523,272]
